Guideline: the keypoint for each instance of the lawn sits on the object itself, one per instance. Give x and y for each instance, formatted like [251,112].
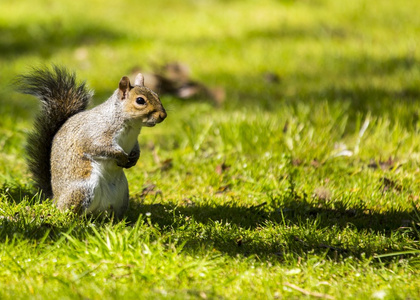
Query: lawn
[303,183]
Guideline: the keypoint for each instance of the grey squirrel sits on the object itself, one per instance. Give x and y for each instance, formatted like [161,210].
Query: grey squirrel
[77,156]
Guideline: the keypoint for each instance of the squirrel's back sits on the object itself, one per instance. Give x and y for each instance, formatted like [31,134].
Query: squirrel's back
[61,97]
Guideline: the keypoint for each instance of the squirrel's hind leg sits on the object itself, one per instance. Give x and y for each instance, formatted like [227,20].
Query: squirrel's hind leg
[75,198]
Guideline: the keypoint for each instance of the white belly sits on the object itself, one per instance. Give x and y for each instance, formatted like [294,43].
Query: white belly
[109,186]
[108,181]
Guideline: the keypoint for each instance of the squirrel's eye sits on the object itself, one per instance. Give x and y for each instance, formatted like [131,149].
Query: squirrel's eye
[140,100]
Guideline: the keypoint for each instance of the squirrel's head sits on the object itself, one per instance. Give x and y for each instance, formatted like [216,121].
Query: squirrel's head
[140,102]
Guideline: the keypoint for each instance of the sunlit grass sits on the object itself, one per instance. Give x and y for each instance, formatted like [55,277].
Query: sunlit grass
[304,186]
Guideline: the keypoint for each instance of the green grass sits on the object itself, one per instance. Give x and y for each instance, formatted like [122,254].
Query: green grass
[303,188]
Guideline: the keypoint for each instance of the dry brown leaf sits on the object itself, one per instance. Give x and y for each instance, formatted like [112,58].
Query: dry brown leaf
[223,189]
[389,184]
[220,169]
[150,190]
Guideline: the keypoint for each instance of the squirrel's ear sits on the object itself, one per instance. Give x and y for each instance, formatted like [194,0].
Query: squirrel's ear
[139,80]
[124,87]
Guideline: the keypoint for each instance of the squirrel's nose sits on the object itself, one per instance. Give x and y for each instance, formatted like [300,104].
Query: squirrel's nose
[162,115]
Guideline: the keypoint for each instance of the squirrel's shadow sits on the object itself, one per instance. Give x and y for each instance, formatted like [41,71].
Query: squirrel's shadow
[237,219]
[231,228]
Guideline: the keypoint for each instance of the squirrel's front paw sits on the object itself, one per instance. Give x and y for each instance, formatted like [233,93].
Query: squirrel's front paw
[123,160]
[132,159]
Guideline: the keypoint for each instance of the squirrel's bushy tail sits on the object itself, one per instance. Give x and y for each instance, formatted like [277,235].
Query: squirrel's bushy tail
[61,97]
